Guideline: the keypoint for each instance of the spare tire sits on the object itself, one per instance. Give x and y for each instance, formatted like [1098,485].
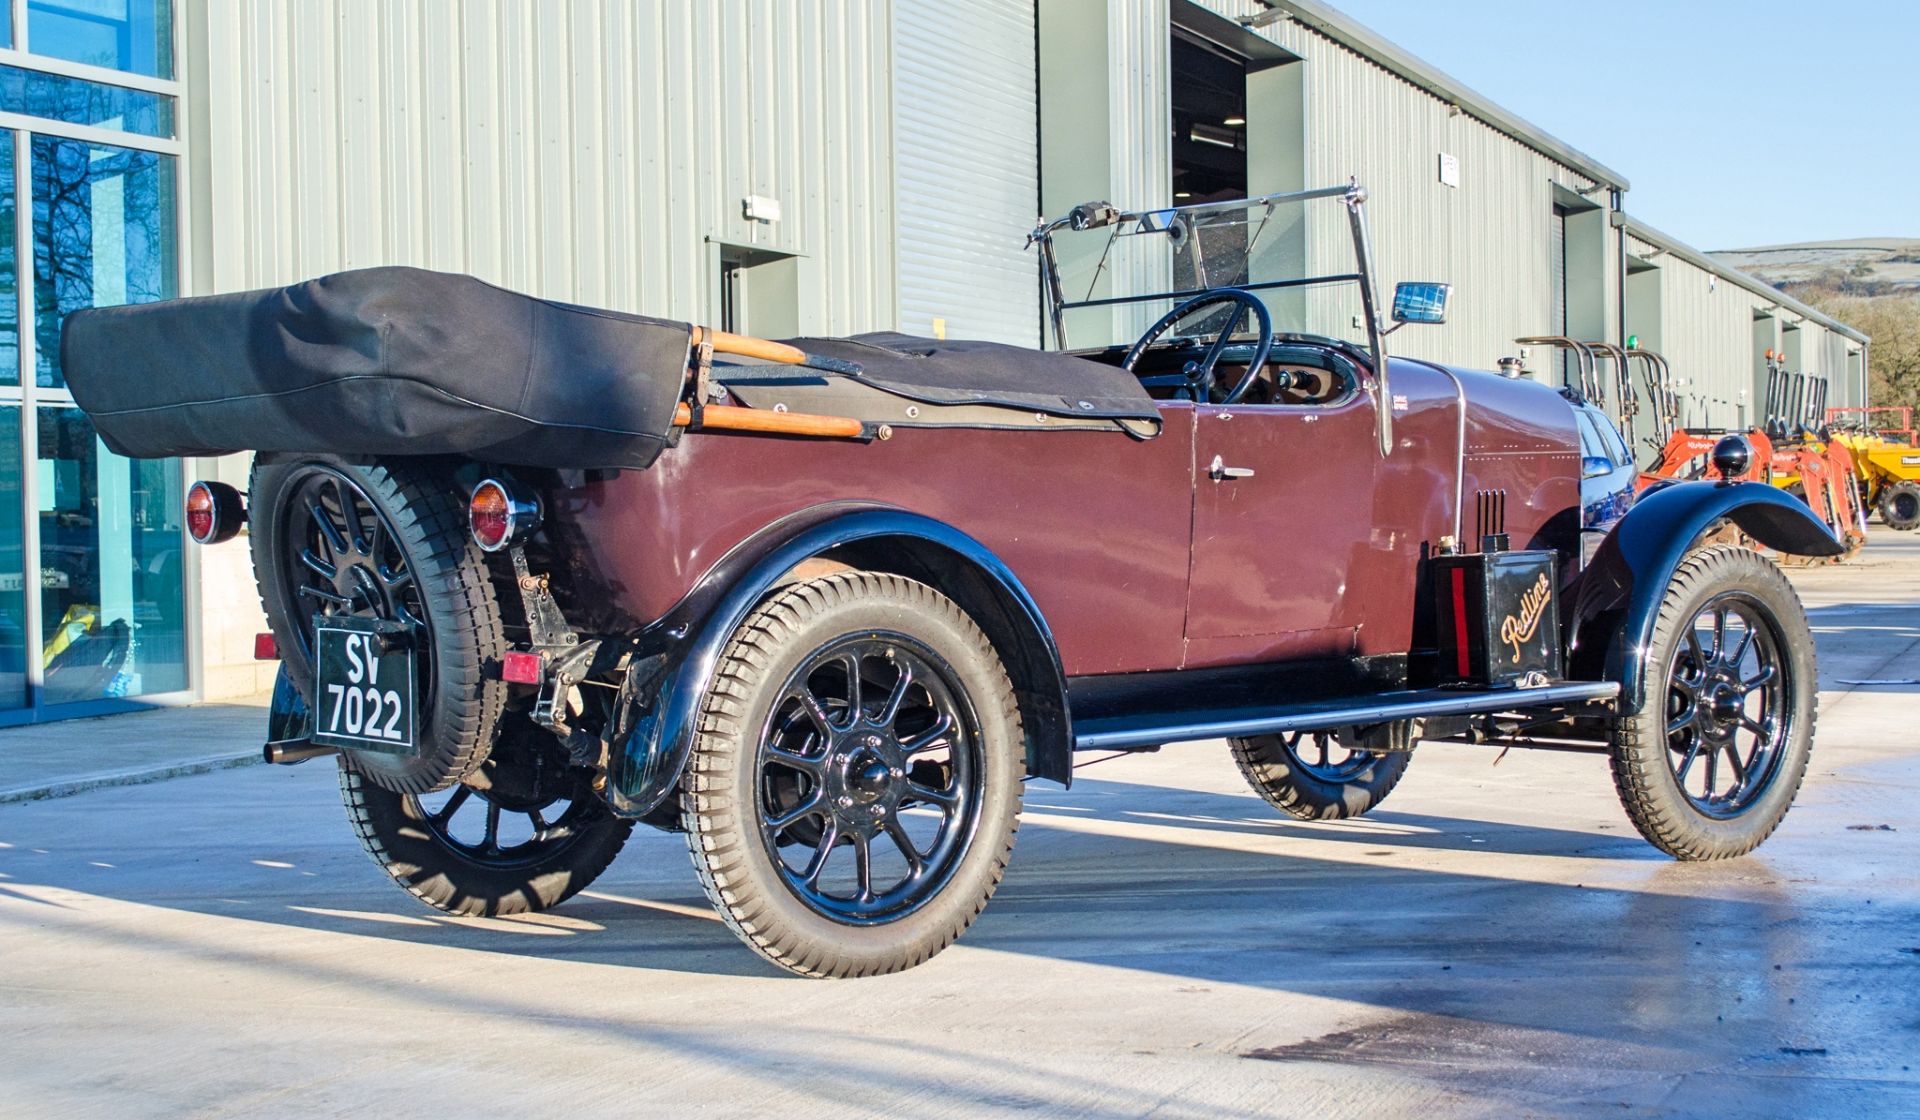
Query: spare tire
[389,540]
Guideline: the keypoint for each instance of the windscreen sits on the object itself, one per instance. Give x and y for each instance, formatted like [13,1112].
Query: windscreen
[1116,280]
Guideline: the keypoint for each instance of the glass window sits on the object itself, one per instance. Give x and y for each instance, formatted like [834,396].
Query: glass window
[9,280]
[1591,445]
[79,102]
[131,35]
[13,567]
[102,235]
[1616,445]
[111,600]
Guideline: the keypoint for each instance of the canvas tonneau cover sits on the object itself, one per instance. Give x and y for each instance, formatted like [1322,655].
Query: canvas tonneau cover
[405,361]
[379,361]
[961,372]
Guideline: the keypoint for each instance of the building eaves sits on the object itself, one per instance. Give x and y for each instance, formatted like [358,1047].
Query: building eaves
[1342,29]
[1732,275]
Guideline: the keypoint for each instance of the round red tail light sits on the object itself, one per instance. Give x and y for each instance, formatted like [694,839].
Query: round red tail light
[500,516]
[199,513]
[214,512]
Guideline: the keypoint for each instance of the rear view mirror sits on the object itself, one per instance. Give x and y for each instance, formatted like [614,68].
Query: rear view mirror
[1420,302]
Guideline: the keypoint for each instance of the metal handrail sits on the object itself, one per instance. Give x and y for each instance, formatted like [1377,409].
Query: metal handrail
[1590,386]
[1660,391]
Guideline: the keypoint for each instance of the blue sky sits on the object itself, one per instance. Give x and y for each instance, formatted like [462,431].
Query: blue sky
[1738,122]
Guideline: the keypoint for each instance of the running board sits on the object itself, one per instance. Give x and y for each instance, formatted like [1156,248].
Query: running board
[1132,730]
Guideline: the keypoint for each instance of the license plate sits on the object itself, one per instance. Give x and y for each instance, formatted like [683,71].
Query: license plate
[364,686]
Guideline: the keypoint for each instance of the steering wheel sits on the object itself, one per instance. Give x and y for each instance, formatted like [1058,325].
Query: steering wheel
[1199,375]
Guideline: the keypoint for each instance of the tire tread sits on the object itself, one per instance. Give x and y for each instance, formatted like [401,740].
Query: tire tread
[1642,774]
[717,838]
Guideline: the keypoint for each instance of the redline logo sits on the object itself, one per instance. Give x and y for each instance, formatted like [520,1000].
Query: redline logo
[1516,631]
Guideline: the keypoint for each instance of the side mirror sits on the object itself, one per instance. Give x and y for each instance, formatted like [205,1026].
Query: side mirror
[1592,466]
[1420,302]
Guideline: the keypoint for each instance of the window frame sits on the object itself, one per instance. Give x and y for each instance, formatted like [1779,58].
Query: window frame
[29,397]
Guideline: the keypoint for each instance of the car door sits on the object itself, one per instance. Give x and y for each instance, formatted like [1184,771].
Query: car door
[1283,514]
[1319,551]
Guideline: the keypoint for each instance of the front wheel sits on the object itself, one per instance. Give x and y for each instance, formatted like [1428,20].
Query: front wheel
[854,787]
[1326,775]
[1712,761]
[1900,506]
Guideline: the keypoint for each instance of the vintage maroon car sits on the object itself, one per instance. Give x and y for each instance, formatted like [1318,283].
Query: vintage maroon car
[539,572]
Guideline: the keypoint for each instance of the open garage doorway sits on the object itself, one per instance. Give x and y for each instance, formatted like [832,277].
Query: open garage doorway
[1237,116]
[1209,94]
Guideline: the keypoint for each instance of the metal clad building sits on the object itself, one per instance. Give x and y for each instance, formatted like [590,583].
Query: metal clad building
[774,166]
[594,150]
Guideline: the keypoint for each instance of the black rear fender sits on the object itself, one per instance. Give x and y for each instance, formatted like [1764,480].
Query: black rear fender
[648,765]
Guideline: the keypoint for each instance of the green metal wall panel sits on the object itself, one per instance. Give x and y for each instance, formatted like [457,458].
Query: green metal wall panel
[592,150]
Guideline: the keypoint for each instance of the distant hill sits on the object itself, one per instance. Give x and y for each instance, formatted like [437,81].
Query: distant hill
[1870,283]
[1884,264]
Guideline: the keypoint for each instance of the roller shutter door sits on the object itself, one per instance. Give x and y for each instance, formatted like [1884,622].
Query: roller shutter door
[966,167]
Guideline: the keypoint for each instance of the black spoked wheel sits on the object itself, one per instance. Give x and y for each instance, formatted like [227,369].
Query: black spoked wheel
[1712,761]
[855,784]
[1320,755]
[524,833]
[1325,775]
[347,560]
[335,537]
[1726,725]
[869,778]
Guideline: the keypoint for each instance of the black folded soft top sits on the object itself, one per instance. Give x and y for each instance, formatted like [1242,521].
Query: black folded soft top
[404,361]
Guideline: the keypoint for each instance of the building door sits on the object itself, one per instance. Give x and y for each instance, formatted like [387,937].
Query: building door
[967,168]
[759,292]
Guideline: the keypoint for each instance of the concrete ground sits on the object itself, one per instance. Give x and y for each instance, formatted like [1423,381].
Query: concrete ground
[78,755]
[1496,941]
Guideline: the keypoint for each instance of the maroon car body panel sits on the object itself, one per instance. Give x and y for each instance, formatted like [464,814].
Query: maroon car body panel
[1096,524]
[1139,560]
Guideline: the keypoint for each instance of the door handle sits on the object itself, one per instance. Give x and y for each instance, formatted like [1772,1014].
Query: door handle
[1220,472]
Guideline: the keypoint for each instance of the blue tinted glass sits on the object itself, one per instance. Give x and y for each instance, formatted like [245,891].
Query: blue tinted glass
[78,102]
[103,234]
[112,610]
[13,568]
[131,35]
[9,301]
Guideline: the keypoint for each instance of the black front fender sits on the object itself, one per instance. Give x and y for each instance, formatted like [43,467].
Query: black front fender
[648,764]
[1617,598]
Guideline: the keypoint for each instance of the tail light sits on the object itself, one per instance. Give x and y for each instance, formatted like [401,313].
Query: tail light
[521,668]
[214,512]
[500,515]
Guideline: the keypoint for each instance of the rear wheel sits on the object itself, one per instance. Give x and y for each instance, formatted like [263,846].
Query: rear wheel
[524,833]
[1325,775]
[1710,764]
[855,782]
[335,537]
[1900,505]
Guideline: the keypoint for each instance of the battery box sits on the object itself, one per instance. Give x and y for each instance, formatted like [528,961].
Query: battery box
[1497,618]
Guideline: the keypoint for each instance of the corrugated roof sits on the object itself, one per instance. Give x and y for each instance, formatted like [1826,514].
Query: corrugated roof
[1733,275]
[1343,29]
